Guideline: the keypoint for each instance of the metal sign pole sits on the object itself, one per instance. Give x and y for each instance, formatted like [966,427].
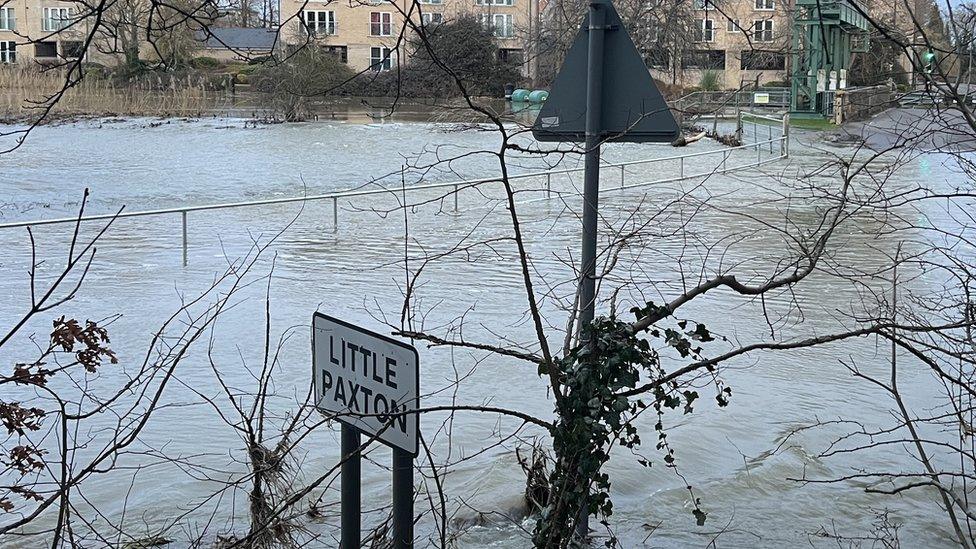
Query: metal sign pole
[591,187]
[380,396]
[402,499]
[349,478]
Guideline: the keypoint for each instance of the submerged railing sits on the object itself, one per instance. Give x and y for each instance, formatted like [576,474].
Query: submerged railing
[781,140]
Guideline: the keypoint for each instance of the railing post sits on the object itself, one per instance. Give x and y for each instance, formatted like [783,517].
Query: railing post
[725,157]
[621,176]
[335,214]
[770,128]
[681,168]
[185,243]
[455,198]
[785,145]
[738,126]
[758,153]
[548,185]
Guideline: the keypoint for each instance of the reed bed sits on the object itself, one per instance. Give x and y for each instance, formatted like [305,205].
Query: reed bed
[25,91]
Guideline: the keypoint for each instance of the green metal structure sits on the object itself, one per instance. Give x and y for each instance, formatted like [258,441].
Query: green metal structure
[825,33]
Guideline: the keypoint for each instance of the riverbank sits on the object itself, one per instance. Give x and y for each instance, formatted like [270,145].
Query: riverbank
[30,96]
[27,95]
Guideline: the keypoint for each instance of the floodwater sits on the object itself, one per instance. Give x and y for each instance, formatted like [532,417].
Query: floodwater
[733,457]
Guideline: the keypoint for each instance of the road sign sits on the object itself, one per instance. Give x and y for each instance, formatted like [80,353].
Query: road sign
[603,92]
[632,109]
[368,379]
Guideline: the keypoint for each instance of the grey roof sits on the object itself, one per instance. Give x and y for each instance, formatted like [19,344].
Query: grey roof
[240,38]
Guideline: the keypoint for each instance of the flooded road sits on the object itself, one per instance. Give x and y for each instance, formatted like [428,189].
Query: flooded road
[734,457]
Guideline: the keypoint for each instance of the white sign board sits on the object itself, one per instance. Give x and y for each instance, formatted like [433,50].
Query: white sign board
[367,379]
[760,98]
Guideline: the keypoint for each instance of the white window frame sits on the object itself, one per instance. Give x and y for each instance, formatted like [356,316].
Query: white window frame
[8,52]
[762,30]
[8,19]
[326,26]
[503,25]
[431,18]
[706,28]
[379,63]
[702,5]
[385,23]
[495,2]
[732,25]
[435,2]
[55,19]
[649,32]
[765,5]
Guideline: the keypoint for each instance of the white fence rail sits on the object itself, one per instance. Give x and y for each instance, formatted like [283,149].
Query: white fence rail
[780,141]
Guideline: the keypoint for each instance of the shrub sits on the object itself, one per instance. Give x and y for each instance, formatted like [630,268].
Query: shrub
[462,48]
[260,60]
[709,81]
[204,63]
[288,86]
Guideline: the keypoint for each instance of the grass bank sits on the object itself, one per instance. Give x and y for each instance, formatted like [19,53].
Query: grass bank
[25,92]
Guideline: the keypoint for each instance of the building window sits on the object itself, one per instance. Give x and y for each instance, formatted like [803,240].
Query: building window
[432,1]
[431,19]
[758,60]
[499,24]
[339,52]
[703,59]
[495,2]
[72,49]
[657,58]
[7,20]
[705,31]
[45,49]
[648,33]
[510,56]
[703,4]
[8,52]
[733,25]
[765,5]
[380,23]
[321,23]
[56,19]
[380,58]
[762,30]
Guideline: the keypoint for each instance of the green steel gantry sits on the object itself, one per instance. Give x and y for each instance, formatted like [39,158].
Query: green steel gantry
[825,32]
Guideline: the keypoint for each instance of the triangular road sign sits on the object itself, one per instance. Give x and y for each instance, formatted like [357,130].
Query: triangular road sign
[633,108]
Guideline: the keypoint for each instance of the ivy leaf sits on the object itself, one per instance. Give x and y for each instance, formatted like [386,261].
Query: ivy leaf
[690,397]
[701,333]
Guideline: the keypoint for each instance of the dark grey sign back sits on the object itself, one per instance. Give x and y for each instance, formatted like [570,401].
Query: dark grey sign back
[633,108]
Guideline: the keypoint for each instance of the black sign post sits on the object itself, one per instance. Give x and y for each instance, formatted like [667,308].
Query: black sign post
[371,383]
[350,480]
[621,103]
[402,499]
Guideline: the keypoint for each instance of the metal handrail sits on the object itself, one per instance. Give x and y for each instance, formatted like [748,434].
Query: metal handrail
[762,116]
[457,185]
[350,193]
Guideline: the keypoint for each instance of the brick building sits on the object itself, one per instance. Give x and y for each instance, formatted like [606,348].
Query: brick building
[369,34]
[38,29]
[737,41]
